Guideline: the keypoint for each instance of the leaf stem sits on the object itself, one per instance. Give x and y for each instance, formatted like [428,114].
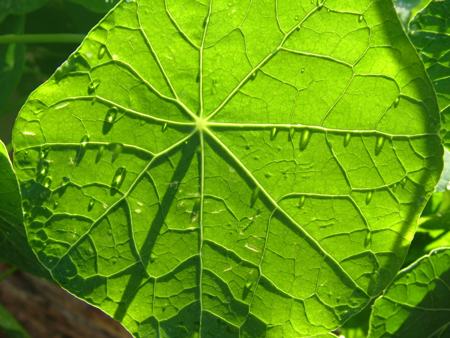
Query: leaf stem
[41,38]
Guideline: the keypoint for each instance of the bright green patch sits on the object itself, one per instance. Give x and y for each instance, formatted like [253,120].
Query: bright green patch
[243,167]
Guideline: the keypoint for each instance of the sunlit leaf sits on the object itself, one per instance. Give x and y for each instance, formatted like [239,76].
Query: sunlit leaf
[248,168]
[417,303]
[13,242]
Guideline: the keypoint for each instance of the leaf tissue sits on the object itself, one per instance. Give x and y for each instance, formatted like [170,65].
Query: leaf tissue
[254,168]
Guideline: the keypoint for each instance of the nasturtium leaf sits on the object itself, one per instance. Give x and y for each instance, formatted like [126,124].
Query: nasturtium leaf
[430,32]
[19,7]
[99,6]
[231,168]
[12,59]
[10,326]
[13,240]
[417,303]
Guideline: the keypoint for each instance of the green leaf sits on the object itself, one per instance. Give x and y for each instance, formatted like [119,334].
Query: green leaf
[10,326]
[429,30]
[99,6]
[417,303]
[357,326]
[12,59]
[19,7]
[248,168]
[13,240]
[10,199]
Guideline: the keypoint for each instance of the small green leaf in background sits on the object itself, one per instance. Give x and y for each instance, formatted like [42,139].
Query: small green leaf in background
[99,6]
[417,303]
[429,30]
[19,7]
[12,59]
[10,326]
[232,168]
[14,246]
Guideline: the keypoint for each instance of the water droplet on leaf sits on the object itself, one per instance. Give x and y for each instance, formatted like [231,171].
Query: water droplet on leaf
[99,155]
[247,289]
[82,149]
[368,239]
[164,127]
[91,204]
[47,182]
[347,139]
[291,134]
[396,102]
[44,152]
[117,149]
[305,137]
[301,201]
[404,181]
[273,133]
[379,144]
[101,52]
[110,119]
[43,168]
[119,177]
[195,211]
[369,197]
[254,197]
[93,86]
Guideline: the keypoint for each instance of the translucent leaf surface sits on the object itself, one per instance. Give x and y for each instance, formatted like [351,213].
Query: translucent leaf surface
[430,32]
[13,241]
[417,304]
[235,167]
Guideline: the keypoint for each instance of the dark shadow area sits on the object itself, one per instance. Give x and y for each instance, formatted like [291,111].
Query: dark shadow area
[136,279]
[388,271]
